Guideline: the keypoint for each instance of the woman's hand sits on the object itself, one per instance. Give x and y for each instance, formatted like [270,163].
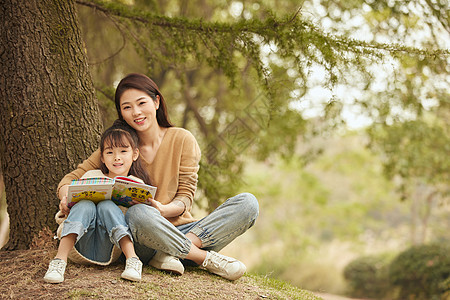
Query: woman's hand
[157,205]
[170,210]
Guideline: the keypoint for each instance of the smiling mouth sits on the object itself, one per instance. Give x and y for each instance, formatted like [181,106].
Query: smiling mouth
[117,165]
[139,121]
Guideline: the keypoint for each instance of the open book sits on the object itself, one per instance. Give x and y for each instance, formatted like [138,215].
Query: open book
[122,190]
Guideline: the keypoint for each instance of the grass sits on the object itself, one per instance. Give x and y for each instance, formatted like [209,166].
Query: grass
[21,274]
[81,294]
[286,290]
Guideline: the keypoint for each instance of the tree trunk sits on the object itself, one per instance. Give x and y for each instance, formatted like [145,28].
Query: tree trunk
[48,111]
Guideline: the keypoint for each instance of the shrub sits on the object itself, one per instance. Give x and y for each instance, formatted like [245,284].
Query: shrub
[367,276]
[421,272]
[445,287]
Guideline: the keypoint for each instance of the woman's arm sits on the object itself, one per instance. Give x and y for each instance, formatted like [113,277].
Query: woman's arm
[93,162]
[173,209]
[187,179]
[188,175]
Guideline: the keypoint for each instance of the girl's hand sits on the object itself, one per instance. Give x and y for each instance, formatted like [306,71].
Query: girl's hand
[63,206]
[63,199]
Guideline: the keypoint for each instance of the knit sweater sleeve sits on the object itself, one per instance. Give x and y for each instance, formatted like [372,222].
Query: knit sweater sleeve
[189,166]
[92,163]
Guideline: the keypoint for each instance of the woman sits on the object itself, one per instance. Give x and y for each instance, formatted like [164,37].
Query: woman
[166,231]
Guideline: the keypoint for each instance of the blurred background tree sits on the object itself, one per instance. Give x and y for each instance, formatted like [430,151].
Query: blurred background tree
[240,85]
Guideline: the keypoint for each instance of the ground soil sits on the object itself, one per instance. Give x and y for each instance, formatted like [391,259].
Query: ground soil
[21,274]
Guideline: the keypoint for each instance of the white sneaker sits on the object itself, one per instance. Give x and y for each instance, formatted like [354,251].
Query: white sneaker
[167,262]
[227,267]
[55,272]
[133,269]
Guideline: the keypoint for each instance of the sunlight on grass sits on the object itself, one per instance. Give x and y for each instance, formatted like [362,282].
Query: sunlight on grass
[284,288]
[82,294]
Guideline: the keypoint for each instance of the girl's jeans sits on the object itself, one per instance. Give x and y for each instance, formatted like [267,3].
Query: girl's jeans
[151,231]
[98,227]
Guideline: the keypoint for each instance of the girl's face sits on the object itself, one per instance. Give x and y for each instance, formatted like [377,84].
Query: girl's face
[118,160]
[139,109]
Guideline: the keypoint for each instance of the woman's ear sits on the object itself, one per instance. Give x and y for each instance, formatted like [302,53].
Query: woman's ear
[136,154]
[157,102]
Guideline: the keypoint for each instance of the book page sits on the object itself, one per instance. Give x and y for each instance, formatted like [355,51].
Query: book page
[127,193]
[93,189]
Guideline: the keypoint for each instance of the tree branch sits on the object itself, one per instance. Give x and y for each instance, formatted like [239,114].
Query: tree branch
[190,103]
[106,94]
[443,20]
[124,41]
[272,29]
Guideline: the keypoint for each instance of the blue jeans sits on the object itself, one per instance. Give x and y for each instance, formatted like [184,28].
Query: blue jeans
[152,232]
[98,228]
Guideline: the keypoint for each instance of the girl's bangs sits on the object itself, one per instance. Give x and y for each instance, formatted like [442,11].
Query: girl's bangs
[117,139]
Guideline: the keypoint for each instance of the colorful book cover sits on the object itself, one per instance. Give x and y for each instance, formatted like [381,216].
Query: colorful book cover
[122,190]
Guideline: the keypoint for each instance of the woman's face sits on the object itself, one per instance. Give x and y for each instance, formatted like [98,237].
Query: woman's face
[139,109]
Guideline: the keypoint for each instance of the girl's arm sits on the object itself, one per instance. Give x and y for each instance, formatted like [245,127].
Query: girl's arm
[63,200]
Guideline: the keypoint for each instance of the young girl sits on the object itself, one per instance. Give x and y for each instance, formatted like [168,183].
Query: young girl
[91,233]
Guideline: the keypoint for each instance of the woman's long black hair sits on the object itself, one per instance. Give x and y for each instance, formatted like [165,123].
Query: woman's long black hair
[148,86]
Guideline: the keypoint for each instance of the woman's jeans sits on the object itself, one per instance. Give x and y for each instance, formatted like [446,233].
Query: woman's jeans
[152,232]
[98,227]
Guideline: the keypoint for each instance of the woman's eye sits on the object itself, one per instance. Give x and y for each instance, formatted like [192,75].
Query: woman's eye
[142,103]
[125,107]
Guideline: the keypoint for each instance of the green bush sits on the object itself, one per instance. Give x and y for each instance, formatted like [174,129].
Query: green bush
[445,287]
[421,272]
[367,276]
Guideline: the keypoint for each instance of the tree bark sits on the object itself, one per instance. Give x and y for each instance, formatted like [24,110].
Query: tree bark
[48,111]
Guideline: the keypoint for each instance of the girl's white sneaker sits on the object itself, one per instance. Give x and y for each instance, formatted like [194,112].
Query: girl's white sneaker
[55,272]
[133,269]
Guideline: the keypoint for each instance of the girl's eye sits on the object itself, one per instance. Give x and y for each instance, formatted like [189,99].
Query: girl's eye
[142,103]
[109,152]
[125,107]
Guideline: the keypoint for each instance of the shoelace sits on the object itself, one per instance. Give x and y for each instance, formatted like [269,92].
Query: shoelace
[57,265]
[133,263]
[218,261]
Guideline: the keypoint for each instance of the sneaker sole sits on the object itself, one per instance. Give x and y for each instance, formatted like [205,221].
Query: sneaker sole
[234,277]
[176,269]
[130,278]
[53,280]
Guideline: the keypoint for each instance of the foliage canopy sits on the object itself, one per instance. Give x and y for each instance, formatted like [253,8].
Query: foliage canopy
[195,52]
